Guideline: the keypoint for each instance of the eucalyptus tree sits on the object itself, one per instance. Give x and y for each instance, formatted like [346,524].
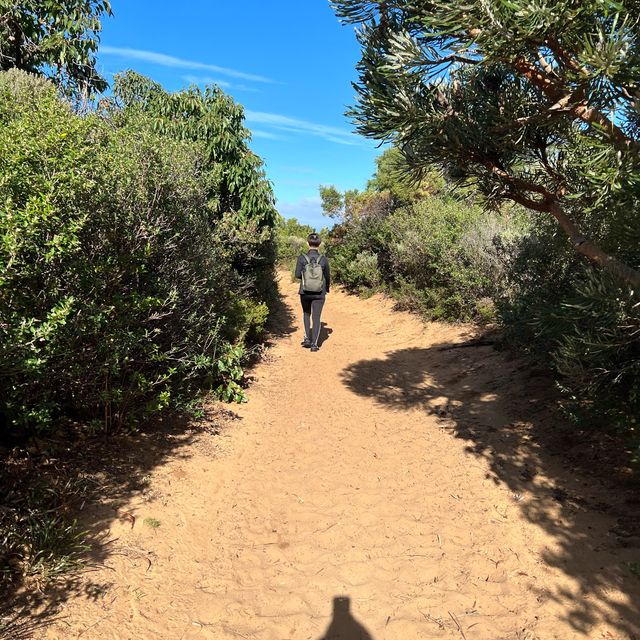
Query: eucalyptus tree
[56,38]
[237,181]
[534,101]
[240,201]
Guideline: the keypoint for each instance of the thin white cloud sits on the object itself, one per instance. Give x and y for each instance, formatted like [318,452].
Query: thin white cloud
[294,125]
[207,80]
[164,60]
[305,210]
[223,84]
[258,133]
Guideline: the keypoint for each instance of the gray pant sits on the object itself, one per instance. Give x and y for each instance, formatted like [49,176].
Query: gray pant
[312,308]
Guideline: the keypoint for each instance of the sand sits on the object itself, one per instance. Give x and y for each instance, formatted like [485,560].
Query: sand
[388,487]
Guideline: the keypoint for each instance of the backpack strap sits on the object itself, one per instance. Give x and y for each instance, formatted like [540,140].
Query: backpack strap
[306,257]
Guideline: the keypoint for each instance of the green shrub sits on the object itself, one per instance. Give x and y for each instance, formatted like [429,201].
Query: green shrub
[291,247]
[426,251]
[580,322]
[119,289]
[447,259]
[591,336]
[360,273]
[598,353]
[291,239]
[440,257]
[357,249]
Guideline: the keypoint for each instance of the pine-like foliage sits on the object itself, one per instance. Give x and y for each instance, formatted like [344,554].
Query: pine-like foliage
[536,102]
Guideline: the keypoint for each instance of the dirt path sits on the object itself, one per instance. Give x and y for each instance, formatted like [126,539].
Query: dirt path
[411,490]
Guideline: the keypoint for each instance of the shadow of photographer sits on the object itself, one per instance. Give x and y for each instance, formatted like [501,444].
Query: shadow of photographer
[343,625]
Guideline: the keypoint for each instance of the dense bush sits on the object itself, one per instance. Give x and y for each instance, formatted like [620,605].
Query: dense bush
[356,248]
[448,260]
[598,353]
[437,256]
[445,258]
[583,322]
[359,272]
[239,197]
[292,239]
[120,285]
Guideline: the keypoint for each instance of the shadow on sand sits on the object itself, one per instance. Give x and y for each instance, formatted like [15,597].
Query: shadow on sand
[281,320]
[343,625]
[325,333]
[505,415]
[111,470]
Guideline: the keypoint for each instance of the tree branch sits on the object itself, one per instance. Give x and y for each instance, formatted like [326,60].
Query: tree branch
[518,183]
[592,251]
[559,108]
[548,69]
[590,115]
[563,57]
[550,204]
[541,206]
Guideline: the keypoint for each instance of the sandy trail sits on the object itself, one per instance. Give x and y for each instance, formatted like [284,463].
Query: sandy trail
[407,501]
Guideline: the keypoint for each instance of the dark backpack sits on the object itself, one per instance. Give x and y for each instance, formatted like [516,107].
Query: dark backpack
[312,275]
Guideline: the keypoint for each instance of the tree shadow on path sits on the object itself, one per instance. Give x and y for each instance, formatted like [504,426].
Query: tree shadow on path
[111,470]
[281,321]
[506,416]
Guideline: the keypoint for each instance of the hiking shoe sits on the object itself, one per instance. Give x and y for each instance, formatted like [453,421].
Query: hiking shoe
[306,343]
[315,347]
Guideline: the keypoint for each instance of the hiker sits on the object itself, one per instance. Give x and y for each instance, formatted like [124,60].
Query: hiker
[313,271]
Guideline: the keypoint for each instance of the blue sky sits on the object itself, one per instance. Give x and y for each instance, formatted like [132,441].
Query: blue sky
[289,62]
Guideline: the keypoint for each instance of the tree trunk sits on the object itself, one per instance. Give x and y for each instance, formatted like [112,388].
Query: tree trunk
[593,252]
[549,204]
[17,44]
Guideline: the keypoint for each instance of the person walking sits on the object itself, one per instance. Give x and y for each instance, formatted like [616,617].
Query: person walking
[312,269]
